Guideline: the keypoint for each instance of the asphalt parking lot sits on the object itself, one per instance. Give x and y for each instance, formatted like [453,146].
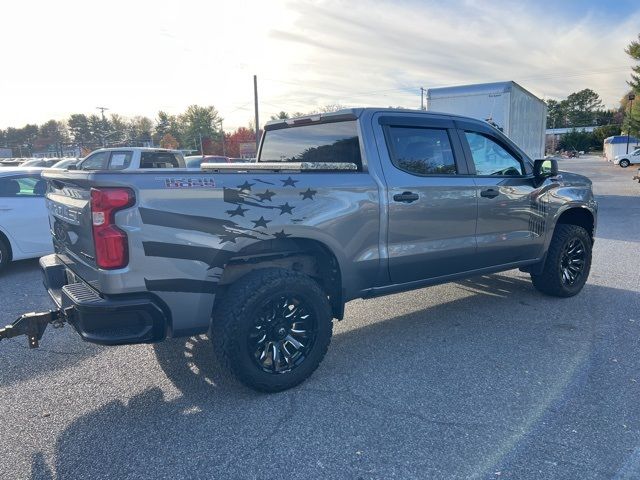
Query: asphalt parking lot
[484,378]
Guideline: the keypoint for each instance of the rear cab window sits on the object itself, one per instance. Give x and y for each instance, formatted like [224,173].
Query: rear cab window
[161,160]
[324,143]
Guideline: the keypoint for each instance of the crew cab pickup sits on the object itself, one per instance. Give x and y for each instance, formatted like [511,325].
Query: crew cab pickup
[263,256]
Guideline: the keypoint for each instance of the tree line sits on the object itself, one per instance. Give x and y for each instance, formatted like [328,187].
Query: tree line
[585,109]
[197,126]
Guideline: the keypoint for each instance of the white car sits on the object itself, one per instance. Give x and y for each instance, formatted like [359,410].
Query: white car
[24,220]
[131,158]
[628,159]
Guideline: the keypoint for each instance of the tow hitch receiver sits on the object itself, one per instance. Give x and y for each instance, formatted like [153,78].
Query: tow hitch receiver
[33,326]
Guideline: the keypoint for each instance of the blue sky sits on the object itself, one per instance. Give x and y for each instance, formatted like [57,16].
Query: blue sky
[140,57]
[616,8]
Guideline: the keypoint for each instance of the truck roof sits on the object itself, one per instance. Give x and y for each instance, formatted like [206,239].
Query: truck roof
[136,149]
[354,114]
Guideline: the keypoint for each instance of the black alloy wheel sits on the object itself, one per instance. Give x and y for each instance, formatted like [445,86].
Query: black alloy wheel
[283,334]
[567,264]
[272,328]
[572,261]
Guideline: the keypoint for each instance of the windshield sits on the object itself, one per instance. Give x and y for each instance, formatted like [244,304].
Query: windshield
[65,163]
[32,163]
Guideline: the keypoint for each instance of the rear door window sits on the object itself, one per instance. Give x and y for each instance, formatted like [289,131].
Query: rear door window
[325,142]
[422,151]
[120,160]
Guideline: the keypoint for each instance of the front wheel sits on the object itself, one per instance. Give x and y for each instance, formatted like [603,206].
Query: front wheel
[272,328]
[568,262]
[624,163]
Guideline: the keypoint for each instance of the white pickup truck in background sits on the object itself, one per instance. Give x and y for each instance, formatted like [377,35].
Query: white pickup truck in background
[131,158]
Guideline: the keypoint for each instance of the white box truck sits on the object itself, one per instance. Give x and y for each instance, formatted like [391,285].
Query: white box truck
[515,111]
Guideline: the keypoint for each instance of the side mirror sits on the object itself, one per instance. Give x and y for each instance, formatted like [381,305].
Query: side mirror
[73,166]
[545,168]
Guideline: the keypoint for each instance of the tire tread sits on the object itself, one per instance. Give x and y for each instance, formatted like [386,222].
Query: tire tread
[232,306]
[549,282]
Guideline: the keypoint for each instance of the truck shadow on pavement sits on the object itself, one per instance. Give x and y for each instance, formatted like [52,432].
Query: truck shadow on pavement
[58,349]
[449,389]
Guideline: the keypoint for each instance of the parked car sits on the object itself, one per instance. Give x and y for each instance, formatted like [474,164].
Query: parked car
[41,162]
[352,204]
[132,158]
[66,163]
[627,159]
[194,161]
[12,162]
[24,221]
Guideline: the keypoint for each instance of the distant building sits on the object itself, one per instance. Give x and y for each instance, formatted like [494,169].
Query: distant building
[6,153]
[68,151]
[619,145]
[553,135]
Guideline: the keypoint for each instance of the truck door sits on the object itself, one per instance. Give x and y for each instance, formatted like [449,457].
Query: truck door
[432,199]
[511,217]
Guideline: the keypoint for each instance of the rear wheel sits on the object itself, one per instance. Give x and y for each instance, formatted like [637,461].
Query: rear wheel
[272,328]
[5,254]
[624,163]
[568,262]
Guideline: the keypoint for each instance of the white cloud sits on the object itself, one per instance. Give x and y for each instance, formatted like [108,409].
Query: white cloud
[139,57]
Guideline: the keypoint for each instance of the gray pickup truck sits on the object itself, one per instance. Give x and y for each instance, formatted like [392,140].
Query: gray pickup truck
[263,256]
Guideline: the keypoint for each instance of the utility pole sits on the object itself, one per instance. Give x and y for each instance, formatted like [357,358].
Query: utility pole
[631,98]
[201,149]
[255,100]
[421,98]
[102,109]
[222,131]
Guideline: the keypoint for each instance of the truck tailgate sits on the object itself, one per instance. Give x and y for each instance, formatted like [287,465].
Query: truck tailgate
[69,205]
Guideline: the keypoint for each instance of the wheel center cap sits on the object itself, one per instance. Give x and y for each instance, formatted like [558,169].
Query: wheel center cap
[282,332]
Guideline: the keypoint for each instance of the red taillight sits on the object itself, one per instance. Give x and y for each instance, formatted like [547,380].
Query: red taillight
[111,243]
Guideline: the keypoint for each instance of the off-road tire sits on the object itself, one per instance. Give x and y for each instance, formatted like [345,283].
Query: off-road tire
[550,281]
[5,254]
[234,316]
[624,163]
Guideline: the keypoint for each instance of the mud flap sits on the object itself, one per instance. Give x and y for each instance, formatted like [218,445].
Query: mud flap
[33,326]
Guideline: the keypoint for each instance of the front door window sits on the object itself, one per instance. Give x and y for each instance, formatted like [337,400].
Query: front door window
[490,158]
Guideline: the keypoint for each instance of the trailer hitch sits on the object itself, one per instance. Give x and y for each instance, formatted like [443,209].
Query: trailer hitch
[33,325]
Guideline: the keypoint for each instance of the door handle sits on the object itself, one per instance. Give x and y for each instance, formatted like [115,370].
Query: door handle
[489,193]
[406,197]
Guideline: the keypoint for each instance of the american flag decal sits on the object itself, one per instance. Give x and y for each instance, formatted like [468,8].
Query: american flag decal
[254,208]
